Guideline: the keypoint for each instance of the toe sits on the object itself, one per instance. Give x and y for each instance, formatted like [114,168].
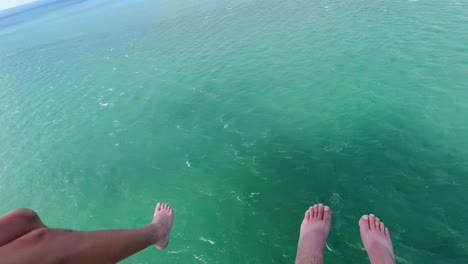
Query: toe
[315,211]
[382,228]
[377,224]
[387,233]
[364,223]
[327,214]
[372,221]
[307,215]
[158,207]
[320,211]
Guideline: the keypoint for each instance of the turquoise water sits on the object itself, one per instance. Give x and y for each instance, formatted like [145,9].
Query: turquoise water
[241,114]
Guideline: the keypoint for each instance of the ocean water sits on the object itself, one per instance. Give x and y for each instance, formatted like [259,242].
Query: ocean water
[241,114]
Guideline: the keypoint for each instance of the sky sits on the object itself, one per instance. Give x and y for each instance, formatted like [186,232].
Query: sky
[6,4]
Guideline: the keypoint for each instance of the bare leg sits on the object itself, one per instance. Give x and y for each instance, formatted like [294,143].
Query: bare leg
[18,223]
[376,239]
[49,246]
[313,236]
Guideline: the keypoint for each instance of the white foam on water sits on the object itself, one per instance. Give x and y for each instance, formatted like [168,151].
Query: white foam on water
[101,102]
[252,195]
[176,251]
[200,258]
[48,123]
[400,260]
[207,240]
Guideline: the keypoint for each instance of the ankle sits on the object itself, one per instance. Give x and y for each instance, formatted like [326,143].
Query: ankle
[309,257]
[382,257]
[314,242]
[152,231]
[304,255]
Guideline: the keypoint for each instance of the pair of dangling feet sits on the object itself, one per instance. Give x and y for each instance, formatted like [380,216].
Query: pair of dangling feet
[316,226]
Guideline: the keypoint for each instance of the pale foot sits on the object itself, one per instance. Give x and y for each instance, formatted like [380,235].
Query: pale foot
[162,224]
[376,239]
[313,236]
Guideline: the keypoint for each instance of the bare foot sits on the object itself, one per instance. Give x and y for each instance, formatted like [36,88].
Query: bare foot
[313,235]
[162,223]
[376,239]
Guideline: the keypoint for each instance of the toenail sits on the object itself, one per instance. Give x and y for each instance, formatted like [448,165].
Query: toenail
[327,208]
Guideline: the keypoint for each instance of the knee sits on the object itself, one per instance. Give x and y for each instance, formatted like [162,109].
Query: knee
[46,234]
[38,235]
[25,214]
